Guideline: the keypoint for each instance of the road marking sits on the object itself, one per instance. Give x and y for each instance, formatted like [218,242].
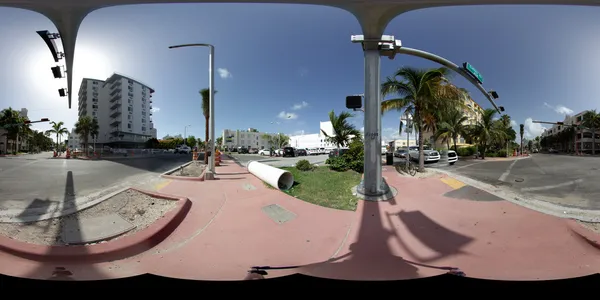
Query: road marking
[549,187]
[480,162]
[507,172]
[162,185]
[453,183]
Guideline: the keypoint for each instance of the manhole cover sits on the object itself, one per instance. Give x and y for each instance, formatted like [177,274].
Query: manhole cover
[278,214]
[519,179]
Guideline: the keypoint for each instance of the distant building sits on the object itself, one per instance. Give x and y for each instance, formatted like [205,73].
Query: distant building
[73,141]
[472,111]
[250,138]
[583,137]
[7,145]
[314,140]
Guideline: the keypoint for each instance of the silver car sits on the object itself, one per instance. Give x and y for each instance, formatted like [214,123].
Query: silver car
[430,155]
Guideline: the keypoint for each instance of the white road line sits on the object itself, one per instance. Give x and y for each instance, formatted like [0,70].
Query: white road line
[505,174]
[480,162]
[548,187]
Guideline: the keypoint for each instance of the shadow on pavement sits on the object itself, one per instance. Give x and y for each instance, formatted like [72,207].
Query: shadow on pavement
[158,163]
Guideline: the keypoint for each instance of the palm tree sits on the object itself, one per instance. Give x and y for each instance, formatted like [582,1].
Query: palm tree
[591,119]
[83,128]
[205,93]
[521,132]
[423,94]
[278,140]
[452,126]
[59,130]
[487,131]
[343,131]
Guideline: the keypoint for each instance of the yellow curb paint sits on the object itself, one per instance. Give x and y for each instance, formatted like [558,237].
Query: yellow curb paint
[162,185]
[453,183]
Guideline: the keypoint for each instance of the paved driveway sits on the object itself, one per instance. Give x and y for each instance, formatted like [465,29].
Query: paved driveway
[565,180]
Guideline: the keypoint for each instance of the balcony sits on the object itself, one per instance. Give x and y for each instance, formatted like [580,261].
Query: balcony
[115,112]
[117,90]
[115,122]
[115,104]
[115,84]
[115,97]
[115,130]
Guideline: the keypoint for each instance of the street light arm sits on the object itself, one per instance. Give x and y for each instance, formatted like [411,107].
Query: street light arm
[191,45]
[450,65]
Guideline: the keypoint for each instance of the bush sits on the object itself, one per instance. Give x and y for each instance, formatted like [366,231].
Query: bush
[502,153]
[491,154]
[353,159]
[338,163]
[466,151]
[304,165]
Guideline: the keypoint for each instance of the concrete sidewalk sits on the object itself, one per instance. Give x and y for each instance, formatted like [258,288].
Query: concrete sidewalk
[427,228]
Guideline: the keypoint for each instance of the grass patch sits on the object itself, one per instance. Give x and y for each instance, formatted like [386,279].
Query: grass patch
[324,187]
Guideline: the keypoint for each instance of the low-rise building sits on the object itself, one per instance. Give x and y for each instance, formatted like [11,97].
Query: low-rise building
[472,111]
[250,138]
[315,140]
[583,136]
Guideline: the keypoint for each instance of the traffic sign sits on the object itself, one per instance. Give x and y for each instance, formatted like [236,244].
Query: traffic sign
[471,70]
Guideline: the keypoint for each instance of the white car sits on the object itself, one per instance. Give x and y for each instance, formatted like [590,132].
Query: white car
[264,152]
[184,149]
[452,157]
[429,155]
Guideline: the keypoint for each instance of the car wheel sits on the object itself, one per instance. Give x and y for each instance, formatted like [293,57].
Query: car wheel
[452,163]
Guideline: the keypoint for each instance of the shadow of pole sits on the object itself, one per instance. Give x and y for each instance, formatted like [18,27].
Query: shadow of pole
[65,269]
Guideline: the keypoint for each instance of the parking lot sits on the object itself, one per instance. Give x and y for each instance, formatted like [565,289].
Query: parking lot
[243,159]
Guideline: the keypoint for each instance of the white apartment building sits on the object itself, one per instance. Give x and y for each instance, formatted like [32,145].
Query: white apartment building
[583,137]
[314,140]
[250,138]
[73,141]
[123,108]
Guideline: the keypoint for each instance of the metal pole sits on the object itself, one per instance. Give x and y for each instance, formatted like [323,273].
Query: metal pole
[211,83]
[372,184]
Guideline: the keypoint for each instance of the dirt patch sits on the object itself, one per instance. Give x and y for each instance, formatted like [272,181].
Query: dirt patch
[139,209]
[194,169]
[595,227]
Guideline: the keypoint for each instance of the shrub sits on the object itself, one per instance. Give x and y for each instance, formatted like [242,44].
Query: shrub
[353,159]
[338,163]
[502,153]
[304,165]
[466,151]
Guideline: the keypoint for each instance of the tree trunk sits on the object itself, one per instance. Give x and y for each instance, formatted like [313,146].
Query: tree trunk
[206,143]
[455,148]
[421,155]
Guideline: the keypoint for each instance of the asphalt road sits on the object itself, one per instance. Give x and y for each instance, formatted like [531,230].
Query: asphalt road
[28,178]
[559,179]
[243,159]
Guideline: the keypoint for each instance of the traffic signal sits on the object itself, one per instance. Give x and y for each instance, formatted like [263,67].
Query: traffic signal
[49,40]
[27,122]
[56,71]
[45,120]
[560,123]
[62,92]
[353,102]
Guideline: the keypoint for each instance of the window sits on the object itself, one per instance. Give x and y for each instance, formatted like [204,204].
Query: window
[129,108]
[129,117]
[129,125]
[95,82]
[143,128]
[130,81]
[144,121]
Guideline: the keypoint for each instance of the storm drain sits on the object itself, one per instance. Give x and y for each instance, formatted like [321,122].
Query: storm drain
[278,214]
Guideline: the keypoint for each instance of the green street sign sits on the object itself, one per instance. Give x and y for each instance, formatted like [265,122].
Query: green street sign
[473,72]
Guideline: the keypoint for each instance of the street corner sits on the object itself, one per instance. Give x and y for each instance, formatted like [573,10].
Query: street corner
[463,191]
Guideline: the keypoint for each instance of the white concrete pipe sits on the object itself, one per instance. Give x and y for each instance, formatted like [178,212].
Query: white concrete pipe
[275,177]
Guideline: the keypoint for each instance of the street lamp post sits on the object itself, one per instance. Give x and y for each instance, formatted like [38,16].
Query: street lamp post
[185,133]
[210,173]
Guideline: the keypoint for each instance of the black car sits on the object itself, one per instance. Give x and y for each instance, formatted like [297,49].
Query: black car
[301,152]
[335,152]
[289,151]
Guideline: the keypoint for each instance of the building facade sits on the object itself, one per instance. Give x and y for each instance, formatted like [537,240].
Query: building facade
[472,111]
[73,141]
[7,145]
[314,140]
[250,138]
[123,108]
[583,137]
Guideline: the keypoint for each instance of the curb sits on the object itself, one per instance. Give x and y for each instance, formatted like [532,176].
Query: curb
[167,175]
[589,236]
[120,248]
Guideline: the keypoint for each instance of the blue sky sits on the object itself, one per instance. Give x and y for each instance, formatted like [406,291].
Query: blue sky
[282,60]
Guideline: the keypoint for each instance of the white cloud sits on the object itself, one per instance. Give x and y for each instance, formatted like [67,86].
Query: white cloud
[224,73]
[513,123]
[299,106]
[155,109]
[302,72]
[560,109]
[299,132]
[531,129]
[287,116]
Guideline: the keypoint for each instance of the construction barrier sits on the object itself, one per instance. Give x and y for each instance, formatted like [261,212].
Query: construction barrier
[68,153]
[195,155]
[217,158]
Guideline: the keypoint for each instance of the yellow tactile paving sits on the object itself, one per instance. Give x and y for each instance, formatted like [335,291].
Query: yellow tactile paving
[453,183]
[162,185]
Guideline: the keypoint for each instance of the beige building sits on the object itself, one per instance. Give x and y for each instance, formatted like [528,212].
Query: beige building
[7,145]
[472,111]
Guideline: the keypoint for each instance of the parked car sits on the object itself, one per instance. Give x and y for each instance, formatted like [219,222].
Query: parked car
[430,155]
[253,151]
[400,153]
[183,149]
[242,150]
[289,151]
[335,152]
[452,157]
[264,152]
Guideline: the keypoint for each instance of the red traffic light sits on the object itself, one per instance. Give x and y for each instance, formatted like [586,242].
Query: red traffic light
[45,120]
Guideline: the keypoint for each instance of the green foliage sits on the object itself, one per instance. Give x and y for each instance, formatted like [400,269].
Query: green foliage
[304,165]
[502,153]
[466,151]
[353,159]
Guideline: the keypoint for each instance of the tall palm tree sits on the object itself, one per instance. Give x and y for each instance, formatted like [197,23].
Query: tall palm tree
[343,131]
[205,94]
[83,128]
[452,126]
[59,130]
[591,119]
[423,94]
[521,132]
[487,131]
